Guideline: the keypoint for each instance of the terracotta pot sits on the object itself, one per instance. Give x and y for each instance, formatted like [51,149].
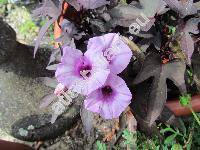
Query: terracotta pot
[179,110]
[6,145]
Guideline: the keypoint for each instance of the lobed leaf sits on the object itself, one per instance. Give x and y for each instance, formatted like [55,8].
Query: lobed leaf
[184,8]
[47,9]
[186,42]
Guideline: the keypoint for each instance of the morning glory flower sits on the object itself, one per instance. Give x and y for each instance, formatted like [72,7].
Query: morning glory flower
[81,73]
[111,99]
[112,47]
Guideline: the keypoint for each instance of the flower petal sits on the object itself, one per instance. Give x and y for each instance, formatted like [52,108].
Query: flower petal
[70,54]
[120,85]
[93,103]
[66,72]
[112,106]
[97,59]
[98,45]
[123,55]
[98,79]
[87,86]
[120,103]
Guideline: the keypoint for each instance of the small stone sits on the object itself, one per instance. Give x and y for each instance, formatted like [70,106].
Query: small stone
[23,132]
[31,127]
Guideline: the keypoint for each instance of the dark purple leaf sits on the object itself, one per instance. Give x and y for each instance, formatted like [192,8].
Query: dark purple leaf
[87,4]
[42,32]
[187,46]
[99,25]
[125,15]
[186,42]
[92,4]
[173,71]
[75,4]
[68,27]
[55,56]
[184,8]
[69,31]
[47,9]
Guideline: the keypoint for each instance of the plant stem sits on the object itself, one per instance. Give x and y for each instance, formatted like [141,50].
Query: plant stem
[190,137]
[195,115]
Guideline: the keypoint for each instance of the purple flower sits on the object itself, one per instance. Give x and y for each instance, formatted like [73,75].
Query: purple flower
[111,99]
[81,73]
[111,46]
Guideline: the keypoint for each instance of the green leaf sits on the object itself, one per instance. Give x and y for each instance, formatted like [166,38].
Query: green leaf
[169,139]
[185,99]
[177,147]
[188,146]
[128,136]
[100,145]
[167,130]
[130,139]
[189,72]
[3,2]
[172,30]
[158,147]
[164,147]
[183,127]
